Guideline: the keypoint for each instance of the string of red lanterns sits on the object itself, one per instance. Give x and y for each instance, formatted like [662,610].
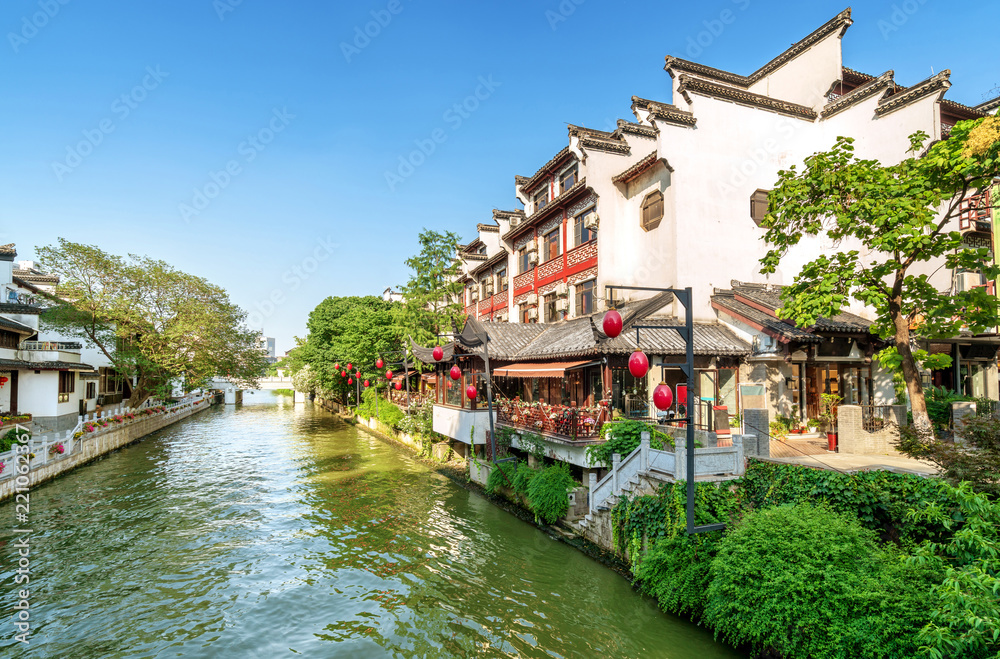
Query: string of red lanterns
[638,363]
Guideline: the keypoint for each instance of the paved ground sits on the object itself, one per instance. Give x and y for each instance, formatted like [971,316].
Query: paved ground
[813,453]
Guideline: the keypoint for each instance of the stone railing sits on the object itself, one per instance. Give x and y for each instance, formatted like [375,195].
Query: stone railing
[718,463]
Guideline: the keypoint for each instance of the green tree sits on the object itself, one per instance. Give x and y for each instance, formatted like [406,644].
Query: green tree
[432,296]
[900,216]
[345,330]
[153,322]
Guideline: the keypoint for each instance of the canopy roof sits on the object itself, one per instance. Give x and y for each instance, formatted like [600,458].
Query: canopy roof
[545,370]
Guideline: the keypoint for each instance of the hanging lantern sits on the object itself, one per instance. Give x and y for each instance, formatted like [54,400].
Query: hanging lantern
[471,392]
[357,374]
[663,398]
[3,380]
[349,366]
[438,353]
[612,323]
[343,374]
[336,366]
[455,372]
[350,380]
[379,363]
[638,365]
[388,374]
[367,383]
[399,385]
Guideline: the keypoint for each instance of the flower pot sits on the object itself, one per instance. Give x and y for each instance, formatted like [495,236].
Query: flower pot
[831,441]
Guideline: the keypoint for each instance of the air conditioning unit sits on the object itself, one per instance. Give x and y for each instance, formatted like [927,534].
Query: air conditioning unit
[969,280]
[591,221]
[532,298]
[532,314]
[562,289]
[533,258]
[531,245]
[562,305]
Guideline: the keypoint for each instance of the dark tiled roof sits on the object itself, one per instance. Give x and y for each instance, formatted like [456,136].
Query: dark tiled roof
[549,209]
[638,129]
[855,77]
[499,257]
[491,228]
[989,105]
[762,319]
[511,216]
[907,95]
[664,111]
[543,171]
[638,168]
[743,97]
[36,277]
[13,307]
[858,94]
[964,111]
[769,297]
[23,365]
[582,337]
[8,250]
[13,325]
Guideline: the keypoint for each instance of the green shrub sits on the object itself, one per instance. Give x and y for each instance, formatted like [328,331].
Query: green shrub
[675,571]
[11,437]
[976,462]
[804,581]
[522,478]
[623,437]
[502,475]
[548,492]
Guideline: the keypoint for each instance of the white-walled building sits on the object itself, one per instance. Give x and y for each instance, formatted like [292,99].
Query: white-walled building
[675,198]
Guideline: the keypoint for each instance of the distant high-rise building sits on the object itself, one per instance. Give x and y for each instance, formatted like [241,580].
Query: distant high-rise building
[267,347]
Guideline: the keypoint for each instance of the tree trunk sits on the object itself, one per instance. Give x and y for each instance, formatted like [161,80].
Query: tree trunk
[911,374]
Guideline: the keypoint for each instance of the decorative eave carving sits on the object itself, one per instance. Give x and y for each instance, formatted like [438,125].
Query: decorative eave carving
[936,84]
[840,23]
[665,112]
[740,96]
[490,228]
[638,168]
[610,146]
[638,129]
[851,98]
[546,170]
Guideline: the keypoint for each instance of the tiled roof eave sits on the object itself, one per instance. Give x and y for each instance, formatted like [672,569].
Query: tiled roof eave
[650,132]
[742,97]
[550,208]
[605,145]
[855,96]
[638,168]
[934,85]
[544,171]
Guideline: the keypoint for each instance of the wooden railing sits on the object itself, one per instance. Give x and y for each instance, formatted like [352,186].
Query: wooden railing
[574,423]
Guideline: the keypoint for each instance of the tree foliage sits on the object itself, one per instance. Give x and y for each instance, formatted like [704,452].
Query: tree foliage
[345,330]
[432,296]
[976,460]
[897,225]
[152,321]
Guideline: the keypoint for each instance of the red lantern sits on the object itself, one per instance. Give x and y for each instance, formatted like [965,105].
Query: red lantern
[336,366]
[455,372]
[612,323]
[438,353]
[399,385]
[343,374]
[3,380]
[357,374]
[663,398]
[638,365]
[367,383]
[379,363]
[471,392]
[388,375]
[350,380]
[349,366]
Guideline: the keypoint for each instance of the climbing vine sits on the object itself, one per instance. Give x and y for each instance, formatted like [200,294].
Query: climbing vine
[623,437]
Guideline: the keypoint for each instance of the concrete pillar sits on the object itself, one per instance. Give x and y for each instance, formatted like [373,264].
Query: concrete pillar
[680,459]
[960,413]
[741,463]
[644,452]
[615,461]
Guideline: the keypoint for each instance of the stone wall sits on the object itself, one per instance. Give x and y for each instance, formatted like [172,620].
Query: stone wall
[853,439]
[757,425]
[86,449]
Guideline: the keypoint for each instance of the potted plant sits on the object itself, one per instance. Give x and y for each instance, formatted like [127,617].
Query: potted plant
[813,425]
[828,404]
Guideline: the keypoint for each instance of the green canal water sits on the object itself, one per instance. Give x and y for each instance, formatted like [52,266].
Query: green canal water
[275,530]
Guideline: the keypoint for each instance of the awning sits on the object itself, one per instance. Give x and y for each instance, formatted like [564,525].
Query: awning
[542,370]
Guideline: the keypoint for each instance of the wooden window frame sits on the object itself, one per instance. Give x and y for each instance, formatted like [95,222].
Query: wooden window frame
[647,217]
[575,172]
[502,283]
[585,287]
[580,231]
[67,385]
[550,307]
[541,198]
[523,264]
[758,205]
[549,244]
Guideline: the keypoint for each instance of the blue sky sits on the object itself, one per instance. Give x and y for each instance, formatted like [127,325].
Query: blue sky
[121,119]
